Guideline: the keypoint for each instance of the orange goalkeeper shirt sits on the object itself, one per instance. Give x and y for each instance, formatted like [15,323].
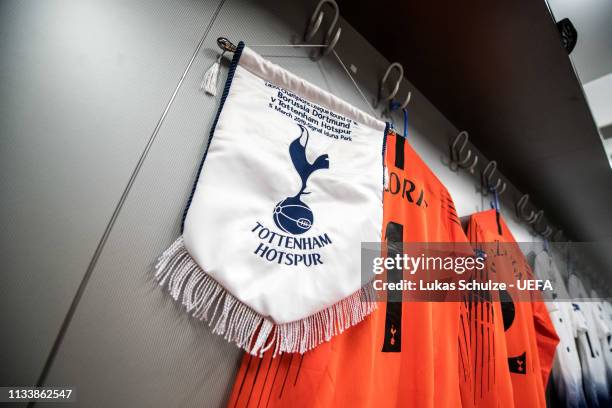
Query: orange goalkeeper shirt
[525,327]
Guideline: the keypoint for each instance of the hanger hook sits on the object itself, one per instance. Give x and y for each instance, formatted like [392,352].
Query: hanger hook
[487,175]
[406,102]
[226,45]
[463,162]
[536,218]
[536,223]
[316,19]
[520,209]
[397,66]
[532,219]
[489,169]
[314,24]
[497,185]
[456,141]
[548,232]
[460,140]
[473,166]
[330,46]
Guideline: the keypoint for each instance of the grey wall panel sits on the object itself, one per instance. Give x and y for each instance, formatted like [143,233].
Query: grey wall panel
[129,344]
[82,85]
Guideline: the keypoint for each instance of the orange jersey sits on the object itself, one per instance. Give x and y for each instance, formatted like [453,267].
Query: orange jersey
[491,386]
[405,354]
[523,326]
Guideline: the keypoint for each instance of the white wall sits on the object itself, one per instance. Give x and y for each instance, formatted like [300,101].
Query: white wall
[599,96]
[593,21]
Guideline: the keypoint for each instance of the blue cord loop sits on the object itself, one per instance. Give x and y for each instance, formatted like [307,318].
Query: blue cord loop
[495,205]
[495,202]
[395,105]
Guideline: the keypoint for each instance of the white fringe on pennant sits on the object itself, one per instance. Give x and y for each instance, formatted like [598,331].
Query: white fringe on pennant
[206,300]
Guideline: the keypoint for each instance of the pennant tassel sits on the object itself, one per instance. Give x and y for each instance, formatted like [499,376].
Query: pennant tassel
[211,76]
[206,300]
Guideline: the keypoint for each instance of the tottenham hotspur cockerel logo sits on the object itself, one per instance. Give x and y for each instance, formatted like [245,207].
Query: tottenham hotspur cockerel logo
[292,215]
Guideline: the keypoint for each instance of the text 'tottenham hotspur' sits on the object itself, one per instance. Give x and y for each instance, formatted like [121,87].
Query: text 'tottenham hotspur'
[289,250]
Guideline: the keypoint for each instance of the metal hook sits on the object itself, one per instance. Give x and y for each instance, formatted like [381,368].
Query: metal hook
[314,25]
[520,209]
[502,190]
[380,98]
[465,140]
[487,175]
[463,162]
[317,18]
[548,232]
[473,166]
[226,45]
[407,101]
[455,159]
[531,219]
[330,46]
[536,218]
[496,186]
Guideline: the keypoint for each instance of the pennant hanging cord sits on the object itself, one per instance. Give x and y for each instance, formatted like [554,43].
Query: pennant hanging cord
[354,83]
[209,81]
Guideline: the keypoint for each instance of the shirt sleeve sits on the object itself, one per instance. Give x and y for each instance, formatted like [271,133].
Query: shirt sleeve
[546,338]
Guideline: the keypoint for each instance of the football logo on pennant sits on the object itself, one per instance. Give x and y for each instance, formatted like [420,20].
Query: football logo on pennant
[292,215]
